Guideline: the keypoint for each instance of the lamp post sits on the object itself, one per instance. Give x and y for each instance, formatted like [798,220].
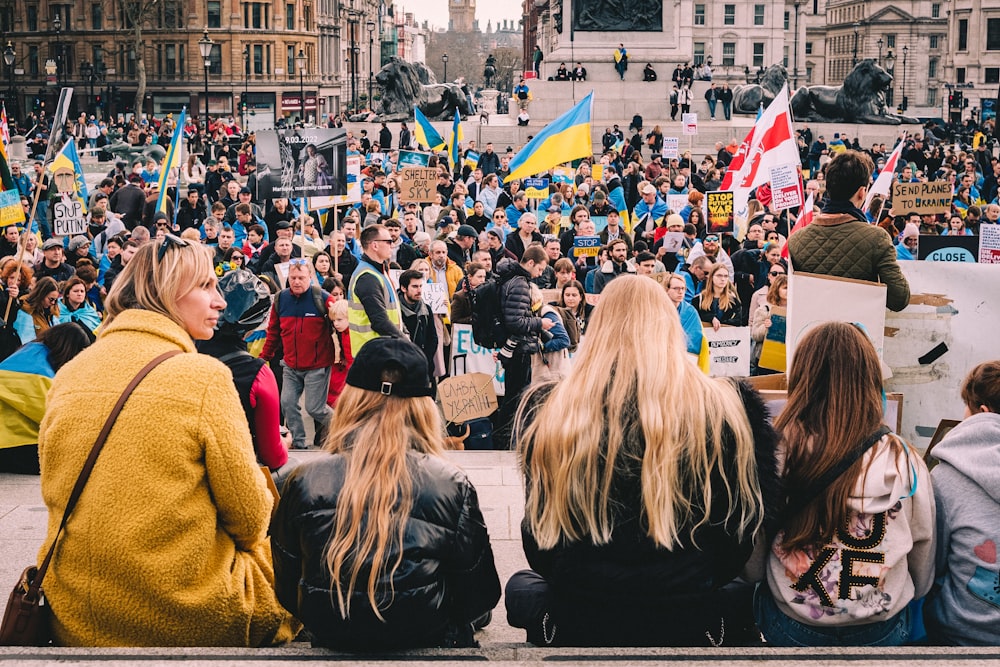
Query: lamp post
[300,62]
[246,84]
[57,24]
[444,59]
[356,59]
[854,58]
[890,66]
[8,58]
[795,69]
[371,64]
[902,84]
[880,45]
[87,70]
[205,45]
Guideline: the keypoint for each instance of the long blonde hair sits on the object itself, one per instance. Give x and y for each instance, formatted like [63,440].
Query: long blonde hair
[374,433]
[573,450]
[729,296]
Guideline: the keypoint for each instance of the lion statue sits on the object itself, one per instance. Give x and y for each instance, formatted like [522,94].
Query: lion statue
[747,99]
[861,99]
[404,84]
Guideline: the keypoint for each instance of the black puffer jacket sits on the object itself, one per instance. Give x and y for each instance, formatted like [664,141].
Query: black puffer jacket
[515,303]
[447,577]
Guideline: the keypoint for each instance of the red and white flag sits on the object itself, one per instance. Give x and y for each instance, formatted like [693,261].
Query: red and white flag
[772,144]
[805,217]
[883,184]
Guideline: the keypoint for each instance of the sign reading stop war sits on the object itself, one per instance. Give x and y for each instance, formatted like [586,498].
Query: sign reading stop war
[922,198]
[418,184]
[467,397]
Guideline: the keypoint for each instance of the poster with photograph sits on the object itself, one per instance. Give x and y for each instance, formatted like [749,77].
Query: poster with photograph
[305,162]
[413,159]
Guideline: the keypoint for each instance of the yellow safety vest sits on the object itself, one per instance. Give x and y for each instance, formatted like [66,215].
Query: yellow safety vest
[359,325]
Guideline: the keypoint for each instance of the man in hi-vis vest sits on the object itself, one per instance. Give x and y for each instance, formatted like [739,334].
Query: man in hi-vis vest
[374,304]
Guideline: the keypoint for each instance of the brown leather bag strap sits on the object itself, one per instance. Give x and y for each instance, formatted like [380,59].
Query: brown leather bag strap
[88,466]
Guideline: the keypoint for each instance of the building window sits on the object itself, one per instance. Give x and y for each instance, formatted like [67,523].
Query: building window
[215,59]
[699,53]
[307,17]
[214,13]
[936,10]
[289,17]
[787,17]
[992,75]
[290,59]
[963,34]
[993,34]
[784,57]
[699,14]
[932,66]
[809,48]
[932,97]
[173,16]
[33,60]
[809,74]
[758,14]
[729,14]
[890,41]
[959,75]
[32,19]
[728,54]
[934,41]
[758,54]
[173,60]
[256,15]
[64,12]
[96,17]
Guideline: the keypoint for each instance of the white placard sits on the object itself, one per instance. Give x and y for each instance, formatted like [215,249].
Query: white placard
[785,187]
[68,217]
[673,241]
[467,357]
[671,148]
[989,243]
[690,123]
[676,202]
[728,351]
[436,297]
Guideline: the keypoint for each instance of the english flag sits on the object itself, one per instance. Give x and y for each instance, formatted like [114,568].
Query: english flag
[883,184]
[805,217]
[772,144]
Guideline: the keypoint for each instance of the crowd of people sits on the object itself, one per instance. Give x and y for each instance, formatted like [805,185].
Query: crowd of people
[700,523]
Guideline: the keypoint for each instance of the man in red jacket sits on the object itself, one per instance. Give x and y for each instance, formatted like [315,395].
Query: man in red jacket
[300,328]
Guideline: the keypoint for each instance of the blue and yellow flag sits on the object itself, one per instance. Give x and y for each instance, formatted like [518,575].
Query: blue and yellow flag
[68,158]
[171,161]
[564,139]
[25,380]
[426,135]
[456,139]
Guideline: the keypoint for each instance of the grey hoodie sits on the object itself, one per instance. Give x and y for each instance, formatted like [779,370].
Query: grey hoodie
[966,605]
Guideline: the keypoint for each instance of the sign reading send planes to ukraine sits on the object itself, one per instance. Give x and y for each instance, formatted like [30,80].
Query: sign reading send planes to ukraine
[922,198]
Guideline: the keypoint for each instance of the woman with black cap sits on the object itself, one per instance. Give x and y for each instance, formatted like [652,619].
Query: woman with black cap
[382,544]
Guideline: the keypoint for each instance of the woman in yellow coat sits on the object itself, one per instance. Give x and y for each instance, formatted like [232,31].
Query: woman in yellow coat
[168,545]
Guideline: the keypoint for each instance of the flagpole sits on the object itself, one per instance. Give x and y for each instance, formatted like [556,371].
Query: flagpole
[180,161]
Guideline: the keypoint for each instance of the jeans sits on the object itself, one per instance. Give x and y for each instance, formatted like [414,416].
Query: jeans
[711,107]
[517,376]
[781,630]
[315,384]
[727,110]
[42,218]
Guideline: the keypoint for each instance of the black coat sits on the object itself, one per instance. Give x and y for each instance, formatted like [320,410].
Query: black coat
[447,577]
[515,304]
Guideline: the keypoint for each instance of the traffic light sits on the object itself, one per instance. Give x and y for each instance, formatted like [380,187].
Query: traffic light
[906,104]
[98,101]
[952,100]
[965,103]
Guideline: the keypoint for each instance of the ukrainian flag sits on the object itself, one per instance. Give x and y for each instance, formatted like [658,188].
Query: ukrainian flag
[171,161]
[456,139]
[25,380]
[564,139]
[426,135]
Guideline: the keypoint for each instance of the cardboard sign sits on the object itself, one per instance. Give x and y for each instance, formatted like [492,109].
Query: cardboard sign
[728,351]
[690,123]
[989,244]
[536,188]
[413,159]
[676,202]
[435,295]
[936,248]
[551,295]
[467,397]
[11,211]
[922,198]
[786,188]
[720,212]
[670,148]
[586,246]
[468,357]
[68,217]
[418,184]
[773,354]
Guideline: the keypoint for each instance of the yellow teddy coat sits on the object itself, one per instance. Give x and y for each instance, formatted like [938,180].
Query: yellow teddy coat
[168,544]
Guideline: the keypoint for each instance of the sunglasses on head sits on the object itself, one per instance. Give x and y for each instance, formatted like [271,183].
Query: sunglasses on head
[168,241]
[298,261]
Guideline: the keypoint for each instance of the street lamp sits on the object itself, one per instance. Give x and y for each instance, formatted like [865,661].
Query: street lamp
[890,66]
[356,58]
[444,59]
[57,24]
[880,45]
[205,45]
[854,59]
[300,62]
[8,58]
[246,83]
[87,71]
[902,84]
[371,64]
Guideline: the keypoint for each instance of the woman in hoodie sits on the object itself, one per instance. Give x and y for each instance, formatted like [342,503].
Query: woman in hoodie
[963,608]
[855,545]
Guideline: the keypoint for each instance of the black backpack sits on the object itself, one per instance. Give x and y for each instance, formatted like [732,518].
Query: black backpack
[487,315]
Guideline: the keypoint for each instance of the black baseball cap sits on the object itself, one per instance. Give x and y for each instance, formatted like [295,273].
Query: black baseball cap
[387,353]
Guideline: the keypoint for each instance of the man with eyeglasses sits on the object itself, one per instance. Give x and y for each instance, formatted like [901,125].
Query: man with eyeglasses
[299,326]
[374,305]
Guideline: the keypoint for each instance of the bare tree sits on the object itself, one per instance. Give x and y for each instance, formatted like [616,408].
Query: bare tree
[136,14]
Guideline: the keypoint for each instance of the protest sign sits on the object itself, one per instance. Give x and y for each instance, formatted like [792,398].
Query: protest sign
[690,123]
[597,172]
[670,148]
[720,212]
[728,351]
[353,195]
[600,222]
[68,219]
[418,184]
[304,162]
[586,246]
[673,241]
[772,351]
[471,160]
[936,248]
[676,202]
[551,295]
[467,397]
[814,299]
[468,357]
[376,158]
[786,188]
[922,198]
[413,159]
[11,211]
[435,295]
[536,188]
[564,175]
[989,244]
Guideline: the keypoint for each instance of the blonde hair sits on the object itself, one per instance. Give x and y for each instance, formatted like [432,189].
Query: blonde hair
[337,309]
[729,297]
[149,283]
[572,452]
[374,434]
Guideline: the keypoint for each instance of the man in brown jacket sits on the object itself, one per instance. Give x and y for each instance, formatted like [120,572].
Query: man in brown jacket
[841,242]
